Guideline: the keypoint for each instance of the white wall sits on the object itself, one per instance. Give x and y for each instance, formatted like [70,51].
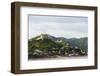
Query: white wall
[5,42]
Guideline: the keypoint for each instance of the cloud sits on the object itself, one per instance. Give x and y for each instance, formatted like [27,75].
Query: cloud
[58,26]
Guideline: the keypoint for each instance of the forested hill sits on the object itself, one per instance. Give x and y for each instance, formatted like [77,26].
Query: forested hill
[44,41]
[47,46]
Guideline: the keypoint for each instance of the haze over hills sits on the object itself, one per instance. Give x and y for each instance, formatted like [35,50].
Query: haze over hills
[45,42]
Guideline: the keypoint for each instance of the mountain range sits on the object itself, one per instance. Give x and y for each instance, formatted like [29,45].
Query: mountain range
[48,41]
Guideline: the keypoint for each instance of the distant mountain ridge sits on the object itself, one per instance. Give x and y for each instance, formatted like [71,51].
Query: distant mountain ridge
[79,42]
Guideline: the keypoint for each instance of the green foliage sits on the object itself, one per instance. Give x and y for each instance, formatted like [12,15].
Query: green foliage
[81,43]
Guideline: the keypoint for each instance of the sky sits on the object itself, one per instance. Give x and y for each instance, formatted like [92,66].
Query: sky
[58,26]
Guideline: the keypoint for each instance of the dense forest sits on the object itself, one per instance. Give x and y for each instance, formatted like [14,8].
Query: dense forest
[47,46]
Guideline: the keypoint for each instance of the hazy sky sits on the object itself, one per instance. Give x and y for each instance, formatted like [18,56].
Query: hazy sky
[58,26]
